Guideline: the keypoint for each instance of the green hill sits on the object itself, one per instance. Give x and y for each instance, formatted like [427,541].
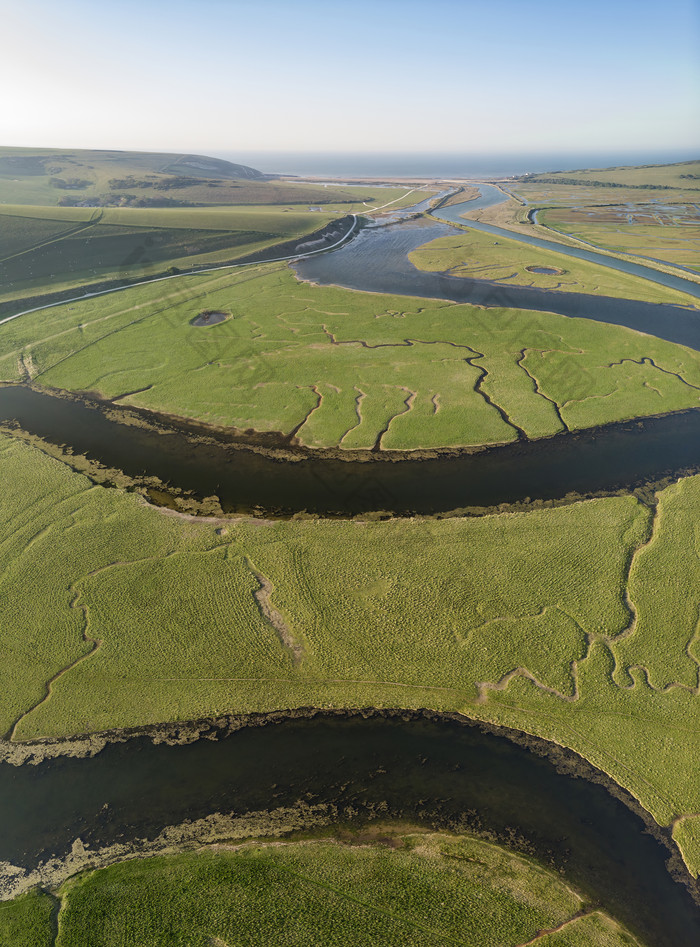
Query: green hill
[69,178]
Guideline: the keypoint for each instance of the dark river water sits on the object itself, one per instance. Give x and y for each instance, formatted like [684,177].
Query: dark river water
[441,773]
[618,456]
[430,771]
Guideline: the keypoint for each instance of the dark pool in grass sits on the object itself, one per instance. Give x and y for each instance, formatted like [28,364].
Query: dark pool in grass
[209,317]
[548,270]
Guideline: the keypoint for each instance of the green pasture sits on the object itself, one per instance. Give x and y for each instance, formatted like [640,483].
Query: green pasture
[479,255]
[28,921]
[547,194]
[45,252]
[49,249]
[342,367]
[674,242]
[524,619]
[683,175]
[430,889]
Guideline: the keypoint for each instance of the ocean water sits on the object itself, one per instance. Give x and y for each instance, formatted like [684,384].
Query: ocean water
[440,165]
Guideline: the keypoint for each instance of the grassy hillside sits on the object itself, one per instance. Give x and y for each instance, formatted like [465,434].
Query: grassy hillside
[348,369]
[45,249]
[427,889]
[684,175]
[121,178]
[583,633]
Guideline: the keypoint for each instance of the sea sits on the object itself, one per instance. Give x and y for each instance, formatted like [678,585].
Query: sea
[441,165]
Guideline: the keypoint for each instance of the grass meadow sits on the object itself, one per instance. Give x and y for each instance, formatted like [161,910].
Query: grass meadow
[347,369]
[478,255]
[544,621]
[28,921]
[425,889]
[683,175]
[649,212]
[50,249]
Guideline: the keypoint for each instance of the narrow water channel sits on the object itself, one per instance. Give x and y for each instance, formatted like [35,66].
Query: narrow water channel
[441,773]
[490,196]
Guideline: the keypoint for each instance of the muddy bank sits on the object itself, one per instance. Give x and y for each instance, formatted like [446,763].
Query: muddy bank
[238,777]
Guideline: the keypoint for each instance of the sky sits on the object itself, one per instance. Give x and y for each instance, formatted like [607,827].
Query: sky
[352,75]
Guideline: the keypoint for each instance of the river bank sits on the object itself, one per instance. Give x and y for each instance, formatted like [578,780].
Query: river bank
[195,469]
[350,768]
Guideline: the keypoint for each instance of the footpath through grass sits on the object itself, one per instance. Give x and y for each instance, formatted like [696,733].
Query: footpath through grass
[348,369]
[428,889]
[528,619]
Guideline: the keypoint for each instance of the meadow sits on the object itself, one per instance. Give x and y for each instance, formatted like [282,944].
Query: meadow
[53,249]
[646,211]
[546,621]
[425,889]
[477,255]
[344,369]
[683,175]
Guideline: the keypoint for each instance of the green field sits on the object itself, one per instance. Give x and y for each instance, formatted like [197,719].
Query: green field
[667,232]
[342,367]
[49,249]
[683,175]
[651,212]
[129,177]
[423,889]
[478,255]
[569,639]
[578,623]
[28,921]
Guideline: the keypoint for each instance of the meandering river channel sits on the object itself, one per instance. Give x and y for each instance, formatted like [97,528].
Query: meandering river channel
[603,460]
[431,771]
[438,772]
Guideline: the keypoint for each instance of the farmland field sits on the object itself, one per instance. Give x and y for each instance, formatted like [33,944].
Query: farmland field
[117,243]
[423,888]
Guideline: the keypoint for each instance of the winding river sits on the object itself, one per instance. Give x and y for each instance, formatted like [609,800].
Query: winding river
[603,460]
[437,772]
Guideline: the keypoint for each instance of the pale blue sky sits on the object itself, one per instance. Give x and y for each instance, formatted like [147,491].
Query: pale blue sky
[366,75]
